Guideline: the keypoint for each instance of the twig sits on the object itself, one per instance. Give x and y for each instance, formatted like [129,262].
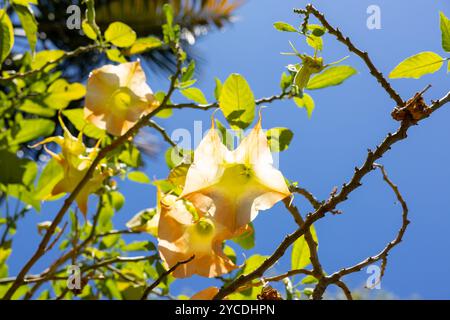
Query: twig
[385,252]
[66,55]
[362,54]
[162,277]
[345,289]
[163,132]
[213,105]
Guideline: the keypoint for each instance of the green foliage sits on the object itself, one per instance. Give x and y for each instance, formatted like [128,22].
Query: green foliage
[445,31]
[283,26]
[237,102]
[307,102]
[120,35]
[28,21]
[6,35]
[76,117]
[247,239]
[332,76]
[418,65]
[139,177]
[279,139]
[195,95]
[300,257]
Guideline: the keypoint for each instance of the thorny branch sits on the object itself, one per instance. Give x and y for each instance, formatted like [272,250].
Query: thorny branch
[338,197]
[364,55]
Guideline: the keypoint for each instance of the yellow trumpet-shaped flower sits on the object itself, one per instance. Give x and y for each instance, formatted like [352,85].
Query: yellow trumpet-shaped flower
[234,185]
[117,97]
[182,234]
[75,159]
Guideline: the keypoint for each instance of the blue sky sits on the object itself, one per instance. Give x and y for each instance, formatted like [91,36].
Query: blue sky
[347,120]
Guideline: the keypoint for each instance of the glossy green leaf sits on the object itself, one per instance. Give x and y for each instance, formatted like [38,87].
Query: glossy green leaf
[14,170]
[76,116]
[195,95]
[253,263]
[283,26]
[218,88]
[139,177]
[307,102]
[115,55]
[29,24]
[32,129]
[279,139]
[142,45]
[120,35]
[37,108]
[445,31]
[50,176]
[315,42]
[247,239]
[237,102]
[300,257]
[332,76]
[418,65]
[6,35]
[88,30]
[45,57]
[60,93]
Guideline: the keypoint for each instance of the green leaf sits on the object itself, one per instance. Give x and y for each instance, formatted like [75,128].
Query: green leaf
[217,89]
[29,24]
[120,35]
[139,177]
[309,280]
[44,57]
[76,116]
[445,31]
[88,30]
[315,42]
[283,26]
[300,251]
[115,55]
[164,113]
[279,139]
[306,102]
[188,73]
[417,66]
[237,102]
[253,263]
[286,81]
[142,45]
[6,35]
[227,136]
[139,246]
[230,253]
[247,239]
[35,107]
[316,30]
[332,76]
[31,129]
[14,170]
[194,94]
[50,176]
[61,93]
[117,200]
